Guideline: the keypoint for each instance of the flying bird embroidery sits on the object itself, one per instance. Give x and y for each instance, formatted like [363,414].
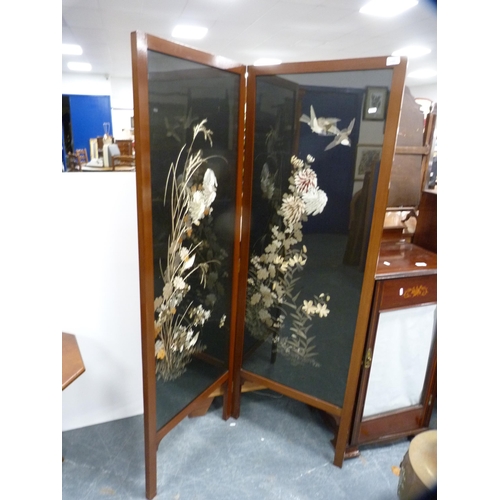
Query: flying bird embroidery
[186,120]
[321,125]
[172,130]
[341,136]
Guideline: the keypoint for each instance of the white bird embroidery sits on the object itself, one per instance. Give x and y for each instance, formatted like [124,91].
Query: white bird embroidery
[172,130]
[321,125]
[187,119]
[341,136]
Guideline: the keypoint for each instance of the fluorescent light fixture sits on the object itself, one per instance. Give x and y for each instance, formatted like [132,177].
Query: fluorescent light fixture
[71,49]
[189,32]
[79,66]
[387,8]
[266,61]
[423,73]
[412,51]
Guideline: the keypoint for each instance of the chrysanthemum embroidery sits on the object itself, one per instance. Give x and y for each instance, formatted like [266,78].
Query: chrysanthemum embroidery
[292,208]
[305,180]
[273,274]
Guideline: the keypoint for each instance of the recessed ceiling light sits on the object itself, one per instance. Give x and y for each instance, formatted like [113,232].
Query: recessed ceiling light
[79,66]
[71,49]
[412,51]
[189,32]
[387,8]
[266,61]
[423,73]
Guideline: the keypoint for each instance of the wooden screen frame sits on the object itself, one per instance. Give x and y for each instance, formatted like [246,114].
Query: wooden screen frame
[141,43]
[341,415]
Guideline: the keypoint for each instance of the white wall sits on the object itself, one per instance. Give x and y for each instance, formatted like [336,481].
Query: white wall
[100,300]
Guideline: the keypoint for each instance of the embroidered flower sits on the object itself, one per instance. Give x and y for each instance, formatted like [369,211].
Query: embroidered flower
[315,200]
[322,310]
[209,187]
[308,307]
[265,317]
[262,274]
[267,297]
[292,208]
[255,298]
[179,283]
[197,206]
[160,349]
[297,162]
[305,179]
[158,301]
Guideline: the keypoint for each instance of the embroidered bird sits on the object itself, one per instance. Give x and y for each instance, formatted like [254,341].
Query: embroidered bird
[186,120]
[341,136]
[172,130]
[321,125]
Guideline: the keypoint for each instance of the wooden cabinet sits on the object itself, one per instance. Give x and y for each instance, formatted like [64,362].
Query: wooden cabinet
[398,374]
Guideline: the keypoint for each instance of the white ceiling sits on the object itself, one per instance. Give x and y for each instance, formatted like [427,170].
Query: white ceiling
[245,30]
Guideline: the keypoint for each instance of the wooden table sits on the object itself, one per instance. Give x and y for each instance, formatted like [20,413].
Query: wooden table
[72,363]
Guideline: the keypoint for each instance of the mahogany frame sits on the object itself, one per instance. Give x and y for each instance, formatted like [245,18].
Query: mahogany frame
[231,383]
[141,43]
[341,415]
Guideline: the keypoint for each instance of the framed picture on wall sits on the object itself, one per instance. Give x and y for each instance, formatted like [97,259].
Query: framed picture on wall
[366,156]
[375,103]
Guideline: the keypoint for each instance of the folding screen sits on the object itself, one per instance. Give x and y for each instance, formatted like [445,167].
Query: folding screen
[264,279]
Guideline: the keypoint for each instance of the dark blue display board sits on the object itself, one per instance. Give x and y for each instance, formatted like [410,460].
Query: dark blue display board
[88,114]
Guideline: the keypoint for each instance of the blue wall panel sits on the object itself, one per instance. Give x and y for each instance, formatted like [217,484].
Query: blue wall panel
[88,113]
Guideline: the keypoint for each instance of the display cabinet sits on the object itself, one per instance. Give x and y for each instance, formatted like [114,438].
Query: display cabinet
[398,373]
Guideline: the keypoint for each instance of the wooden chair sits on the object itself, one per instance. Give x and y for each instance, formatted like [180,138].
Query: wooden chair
[118,161]
[73,163]
[125,146]
[82,156]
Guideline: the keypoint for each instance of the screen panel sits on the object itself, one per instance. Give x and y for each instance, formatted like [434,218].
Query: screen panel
[187,213]
[188,121]
[311,219]
[193,112]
